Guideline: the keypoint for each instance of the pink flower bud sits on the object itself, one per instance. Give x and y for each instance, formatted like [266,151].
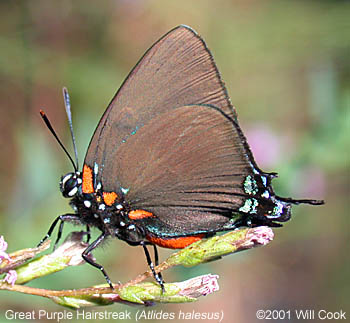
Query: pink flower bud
[258,236]
[11,277]
[199,286]
[3,247]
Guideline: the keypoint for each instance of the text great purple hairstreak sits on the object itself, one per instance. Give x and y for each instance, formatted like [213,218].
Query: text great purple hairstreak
[168,163]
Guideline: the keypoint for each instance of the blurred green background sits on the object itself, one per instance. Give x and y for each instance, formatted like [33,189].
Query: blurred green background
[287,69]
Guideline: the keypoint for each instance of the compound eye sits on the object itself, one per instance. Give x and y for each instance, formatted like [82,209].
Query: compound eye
[69,185]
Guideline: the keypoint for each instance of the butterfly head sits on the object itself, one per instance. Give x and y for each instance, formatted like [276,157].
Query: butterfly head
[70,184]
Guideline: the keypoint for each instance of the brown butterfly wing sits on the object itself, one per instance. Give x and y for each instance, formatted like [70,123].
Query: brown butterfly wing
[186,166]
[177,70]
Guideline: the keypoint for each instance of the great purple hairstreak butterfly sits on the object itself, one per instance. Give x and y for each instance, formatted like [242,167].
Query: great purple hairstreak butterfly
[168,163]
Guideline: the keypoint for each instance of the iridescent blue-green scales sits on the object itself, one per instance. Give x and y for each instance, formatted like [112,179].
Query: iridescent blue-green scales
[250,205]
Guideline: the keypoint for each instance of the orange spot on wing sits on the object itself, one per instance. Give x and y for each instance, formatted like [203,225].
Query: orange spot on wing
[175,243]
[87,186]
[109,198]
[139,214]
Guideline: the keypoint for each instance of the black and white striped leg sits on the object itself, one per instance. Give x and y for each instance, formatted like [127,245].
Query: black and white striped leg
[157,262]
[62,218]
[157,277]
[86,257]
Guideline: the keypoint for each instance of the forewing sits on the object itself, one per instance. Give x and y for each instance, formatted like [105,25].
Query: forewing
[177,70]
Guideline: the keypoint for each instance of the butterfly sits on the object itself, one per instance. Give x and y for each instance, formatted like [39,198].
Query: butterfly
[168,163]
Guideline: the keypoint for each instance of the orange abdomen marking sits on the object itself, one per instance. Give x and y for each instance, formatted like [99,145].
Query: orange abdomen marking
[139,214]
[109,198]
[175,243]
[88,185]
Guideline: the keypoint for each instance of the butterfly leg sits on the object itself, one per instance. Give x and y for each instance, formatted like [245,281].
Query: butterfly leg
[62,218]
[157,262]
[86,257]
[88,233]
[157,277]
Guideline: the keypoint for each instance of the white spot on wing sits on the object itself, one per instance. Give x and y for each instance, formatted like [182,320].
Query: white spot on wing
[266,194]
[125,190]
[95,168]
